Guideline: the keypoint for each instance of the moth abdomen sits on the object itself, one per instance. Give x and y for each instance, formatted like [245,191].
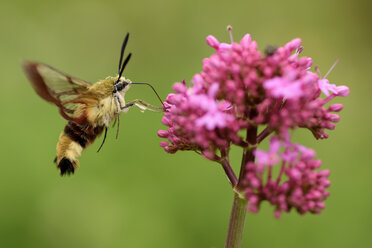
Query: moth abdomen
[66,166]
[71,143]
[82,134]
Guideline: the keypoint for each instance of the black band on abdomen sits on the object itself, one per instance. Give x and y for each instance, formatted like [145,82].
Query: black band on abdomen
[82,134]
[75,136]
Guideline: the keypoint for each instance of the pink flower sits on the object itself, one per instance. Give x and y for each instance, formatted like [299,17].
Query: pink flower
[239,91]
[213,42]
[268,158]
[325,87]
[195,119]
[280,87]
[298,184]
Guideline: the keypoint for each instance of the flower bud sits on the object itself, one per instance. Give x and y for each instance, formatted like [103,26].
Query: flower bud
[179,88]
[164,144]
[337,107]
[212,42]
[163,134]
[342,90]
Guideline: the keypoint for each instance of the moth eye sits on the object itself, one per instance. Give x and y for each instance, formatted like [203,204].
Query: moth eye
[115,89]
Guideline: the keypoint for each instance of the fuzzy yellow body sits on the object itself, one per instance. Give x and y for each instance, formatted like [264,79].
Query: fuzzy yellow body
[100,108]
[67,148]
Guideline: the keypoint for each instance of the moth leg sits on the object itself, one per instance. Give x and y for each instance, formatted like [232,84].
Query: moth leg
[140,104]
[117,104]
[120,103]
[148,104]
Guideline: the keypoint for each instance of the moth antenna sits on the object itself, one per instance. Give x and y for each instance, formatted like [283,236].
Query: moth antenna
[117,128]
[123,66]
[122,51]
[103,141]
[154,91]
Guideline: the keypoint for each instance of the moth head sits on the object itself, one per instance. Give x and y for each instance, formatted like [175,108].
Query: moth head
[122,85]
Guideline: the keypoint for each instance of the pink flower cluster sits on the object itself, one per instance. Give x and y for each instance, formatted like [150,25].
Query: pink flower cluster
[278,85]
[198,122]
[297,185]
[240,90]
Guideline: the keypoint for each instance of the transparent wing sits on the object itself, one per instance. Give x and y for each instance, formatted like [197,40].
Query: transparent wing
[57,87]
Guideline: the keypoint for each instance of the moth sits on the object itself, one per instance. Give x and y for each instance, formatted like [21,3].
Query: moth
[88,108]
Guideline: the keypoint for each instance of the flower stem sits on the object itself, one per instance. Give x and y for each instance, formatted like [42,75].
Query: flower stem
[236,225]
[227,168]
[229,172]
[266,132]
[239,208]
[248,153]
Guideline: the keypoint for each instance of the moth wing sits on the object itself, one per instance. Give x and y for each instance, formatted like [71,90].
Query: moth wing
[57,87]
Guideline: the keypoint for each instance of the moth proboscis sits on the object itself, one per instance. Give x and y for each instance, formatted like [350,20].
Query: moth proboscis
[88,108]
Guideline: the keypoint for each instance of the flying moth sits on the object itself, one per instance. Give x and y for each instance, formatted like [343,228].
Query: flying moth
[88,108]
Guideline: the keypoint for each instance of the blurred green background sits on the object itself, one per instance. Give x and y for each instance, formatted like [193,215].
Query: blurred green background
[132,194]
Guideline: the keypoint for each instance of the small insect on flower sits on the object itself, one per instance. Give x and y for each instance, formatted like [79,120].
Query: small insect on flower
[88,108]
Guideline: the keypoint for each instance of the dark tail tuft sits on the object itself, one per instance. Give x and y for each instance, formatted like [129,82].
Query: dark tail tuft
[65,166]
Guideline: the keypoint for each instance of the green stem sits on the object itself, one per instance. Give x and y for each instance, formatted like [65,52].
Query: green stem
[239,208]
[236,225]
